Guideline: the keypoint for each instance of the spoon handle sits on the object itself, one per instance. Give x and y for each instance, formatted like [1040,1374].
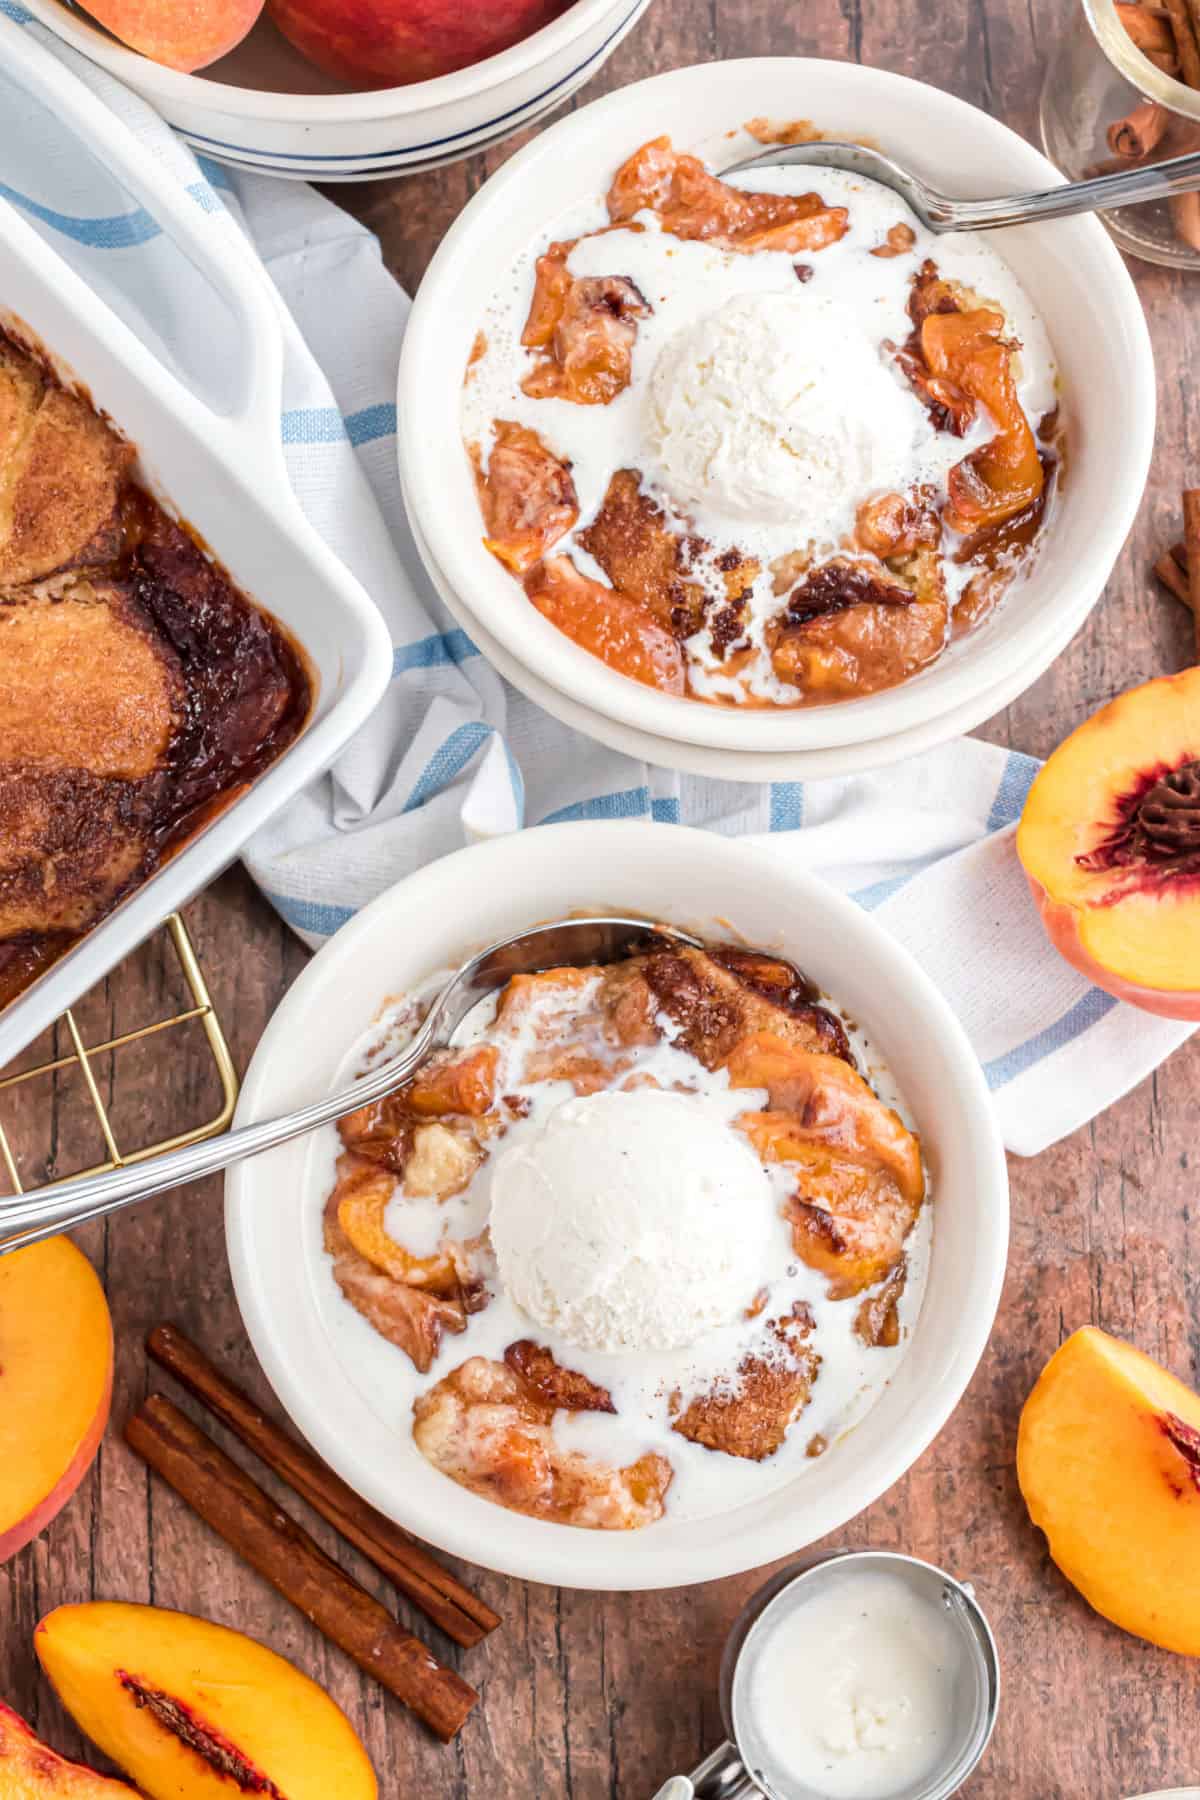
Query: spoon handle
[1181,174]
[66,1204]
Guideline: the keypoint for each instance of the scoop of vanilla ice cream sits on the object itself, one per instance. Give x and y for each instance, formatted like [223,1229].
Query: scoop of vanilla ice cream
[632,1221]
[778,408]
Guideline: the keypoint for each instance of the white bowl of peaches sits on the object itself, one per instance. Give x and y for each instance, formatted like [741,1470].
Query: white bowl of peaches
[345,90]
[758,475]
[668,1265]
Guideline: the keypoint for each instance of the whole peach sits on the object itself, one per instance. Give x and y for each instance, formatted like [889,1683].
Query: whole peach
[180,34]
[386,43]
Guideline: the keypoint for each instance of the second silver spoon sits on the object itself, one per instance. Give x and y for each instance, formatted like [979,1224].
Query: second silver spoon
[938,212]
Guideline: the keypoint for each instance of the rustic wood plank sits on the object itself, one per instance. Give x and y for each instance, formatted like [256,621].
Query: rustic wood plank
[586,1696]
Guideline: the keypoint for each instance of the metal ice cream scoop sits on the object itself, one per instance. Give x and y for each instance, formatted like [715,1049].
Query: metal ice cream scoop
[938,212]
[748,1763]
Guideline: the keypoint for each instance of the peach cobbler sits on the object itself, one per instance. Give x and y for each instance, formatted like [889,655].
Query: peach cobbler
[140,691]
[757,445]
[646,1239]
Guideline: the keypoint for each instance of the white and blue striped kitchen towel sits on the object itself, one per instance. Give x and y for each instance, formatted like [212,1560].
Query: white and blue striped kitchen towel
[454,754]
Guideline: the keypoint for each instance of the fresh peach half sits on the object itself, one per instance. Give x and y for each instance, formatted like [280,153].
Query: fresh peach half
[1108,1457]
[56,1366]
[30,1770]
[194,1711]
[180,34]
[1110,843]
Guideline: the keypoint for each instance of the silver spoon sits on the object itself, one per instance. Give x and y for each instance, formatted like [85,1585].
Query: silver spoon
[938,212]
[567,942]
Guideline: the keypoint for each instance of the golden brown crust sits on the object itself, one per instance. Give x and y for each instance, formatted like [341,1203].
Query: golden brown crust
[56,714]
[138,688]
[61,469]
[750,1416]
[70,846]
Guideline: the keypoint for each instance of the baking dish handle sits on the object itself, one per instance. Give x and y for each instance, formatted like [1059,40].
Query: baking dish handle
[211,241]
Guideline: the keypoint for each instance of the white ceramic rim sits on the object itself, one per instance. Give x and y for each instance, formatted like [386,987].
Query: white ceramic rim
[531,639]
[295,1352]
[315,109]
[730,765]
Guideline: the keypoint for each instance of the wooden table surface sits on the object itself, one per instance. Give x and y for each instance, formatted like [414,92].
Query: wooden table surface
[591,1695]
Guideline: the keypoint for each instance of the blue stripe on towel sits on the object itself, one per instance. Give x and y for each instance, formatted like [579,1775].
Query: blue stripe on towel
[311,915]
[1077,1019]
[18,14]
[120,231]
[433,652]
[448,761]
[325,425]
[1019,774]
[665,811]
[371,423]
[787,805]
[216,175]
[879,891]
[628,803]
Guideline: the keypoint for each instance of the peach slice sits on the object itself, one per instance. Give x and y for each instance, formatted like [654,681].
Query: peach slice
[1108,1458]
[180,34]
[56,1365]
[1110,843]
[32,1771]
[194,1711]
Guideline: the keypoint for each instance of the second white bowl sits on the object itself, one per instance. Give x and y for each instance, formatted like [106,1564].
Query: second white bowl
[1072,272]
[357,1421]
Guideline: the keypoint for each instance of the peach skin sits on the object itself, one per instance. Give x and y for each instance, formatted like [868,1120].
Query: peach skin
[1110,844]
[180,34]
[56,1364]
[1108,1458]
[383,43]
[194,1711]
[32,1771]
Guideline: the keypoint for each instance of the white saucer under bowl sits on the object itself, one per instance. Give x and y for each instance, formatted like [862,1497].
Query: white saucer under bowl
[336,1383]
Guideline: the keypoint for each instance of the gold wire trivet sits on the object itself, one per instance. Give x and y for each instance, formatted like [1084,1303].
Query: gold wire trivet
[81,1056]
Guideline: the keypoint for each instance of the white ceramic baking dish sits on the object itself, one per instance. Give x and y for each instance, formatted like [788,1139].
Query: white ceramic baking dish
[224,474]
[263,107]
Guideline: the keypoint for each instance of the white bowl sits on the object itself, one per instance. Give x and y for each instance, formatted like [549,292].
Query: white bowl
[265,107]
[1071,270]
[728,765]
[431,919]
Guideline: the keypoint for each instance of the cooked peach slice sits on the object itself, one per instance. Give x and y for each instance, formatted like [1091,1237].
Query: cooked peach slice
[1005,475]
[586,327]
[691,203]
[1110,843]
[608,624]
[489,1429]
[459,1082]
[194,1711]
[56,1366]
[363,1193]
[860,1182]
[1108,1457]
[849,625]
[30,1770]
[412,1318]
[527,497]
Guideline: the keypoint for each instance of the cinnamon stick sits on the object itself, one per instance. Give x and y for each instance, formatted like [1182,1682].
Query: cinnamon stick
[1186,44]
[272,1542]
[1191,538]
[1173,577]
[1147,26]
[459,1612]
[1140,131]
[1185,216]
